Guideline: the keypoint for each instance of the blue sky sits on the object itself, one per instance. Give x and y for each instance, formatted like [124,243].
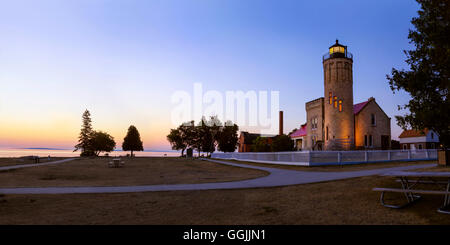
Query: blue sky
[123,59]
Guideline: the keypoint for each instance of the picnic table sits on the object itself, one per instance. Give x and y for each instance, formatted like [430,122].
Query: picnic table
[414,183]
[116,163]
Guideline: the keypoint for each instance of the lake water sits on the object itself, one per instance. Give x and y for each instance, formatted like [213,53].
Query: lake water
[70,153]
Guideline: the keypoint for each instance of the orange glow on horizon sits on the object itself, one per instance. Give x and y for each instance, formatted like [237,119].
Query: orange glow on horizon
[64,134]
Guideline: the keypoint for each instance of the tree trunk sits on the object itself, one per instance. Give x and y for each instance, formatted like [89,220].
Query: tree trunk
[131,153]
[182,152]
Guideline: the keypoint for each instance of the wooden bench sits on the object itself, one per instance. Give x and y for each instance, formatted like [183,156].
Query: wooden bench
[116,163]
[410,180]
[433,192]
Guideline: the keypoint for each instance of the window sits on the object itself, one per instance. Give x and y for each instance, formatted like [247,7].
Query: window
[432,135]
[314,122]
[337,49]
[335,101]
[365,140]
[331,98]
[405,146]
[420,146]
[340,105]
[327,132]
[373,120]
[370,140]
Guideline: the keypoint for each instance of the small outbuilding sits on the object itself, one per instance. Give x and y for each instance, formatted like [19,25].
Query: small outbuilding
[299,138]
[419,139]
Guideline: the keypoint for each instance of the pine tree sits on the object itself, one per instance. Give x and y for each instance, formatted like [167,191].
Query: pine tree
[132,141]
[428,79]
[84,140]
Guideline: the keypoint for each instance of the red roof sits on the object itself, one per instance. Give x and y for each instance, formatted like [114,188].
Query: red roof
[300,132]
[358,107]
[413,133]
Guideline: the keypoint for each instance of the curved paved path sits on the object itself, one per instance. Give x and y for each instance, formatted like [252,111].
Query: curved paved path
[277,177]
[34,164]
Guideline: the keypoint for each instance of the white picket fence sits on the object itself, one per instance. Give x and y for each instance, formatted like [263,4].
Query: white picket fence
[316,158]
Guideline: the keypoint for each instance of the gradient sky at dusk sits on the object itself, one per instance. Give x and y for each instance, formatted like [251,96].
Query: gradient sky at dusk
[124,59]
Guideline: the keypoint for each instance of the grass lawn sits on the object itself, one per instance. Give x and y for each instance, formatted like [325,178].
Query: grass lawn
[335,168]
[137,171]
[10,161]
[350,201]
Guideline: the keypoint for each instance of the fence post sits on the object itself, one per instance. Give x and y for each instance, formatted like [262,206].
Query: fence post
[339,157]
[309,157]
[366,158]
[426,154]
[409,154]
[292,157]
[389,155]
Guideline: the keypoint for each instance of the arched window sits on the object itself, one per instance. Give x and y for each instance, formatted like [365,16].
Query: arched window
[335,101]
[340,105]
[331,97]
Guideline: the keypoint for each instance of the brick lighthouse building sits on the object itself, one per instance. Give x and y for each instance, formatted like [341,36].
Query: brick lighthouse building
[333,121]
[338,103]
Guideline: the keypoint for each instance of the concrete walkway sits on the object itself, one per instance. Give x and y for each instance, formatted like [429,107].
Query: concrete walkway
[277,177]
[5,168]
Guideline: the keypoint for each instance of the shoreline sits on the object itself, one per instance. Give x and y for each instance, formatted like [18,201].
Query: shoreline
[15,153]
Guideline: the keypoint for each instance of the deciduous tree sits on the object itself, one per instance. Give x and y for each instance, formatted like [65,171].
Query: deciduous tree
[282,143]
[102,142]
[177,140]
[227,138]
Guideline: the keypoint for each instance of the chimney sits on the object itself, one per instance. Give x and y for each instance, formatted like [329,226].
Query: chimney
[281,123]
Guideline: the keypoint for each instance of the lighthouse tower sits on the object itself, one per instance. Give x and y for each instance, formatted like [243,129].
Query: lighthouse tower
[338,105]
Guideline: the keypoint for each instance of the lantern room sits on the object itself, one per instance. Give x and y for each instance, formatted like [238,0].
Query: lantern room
[338,51]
